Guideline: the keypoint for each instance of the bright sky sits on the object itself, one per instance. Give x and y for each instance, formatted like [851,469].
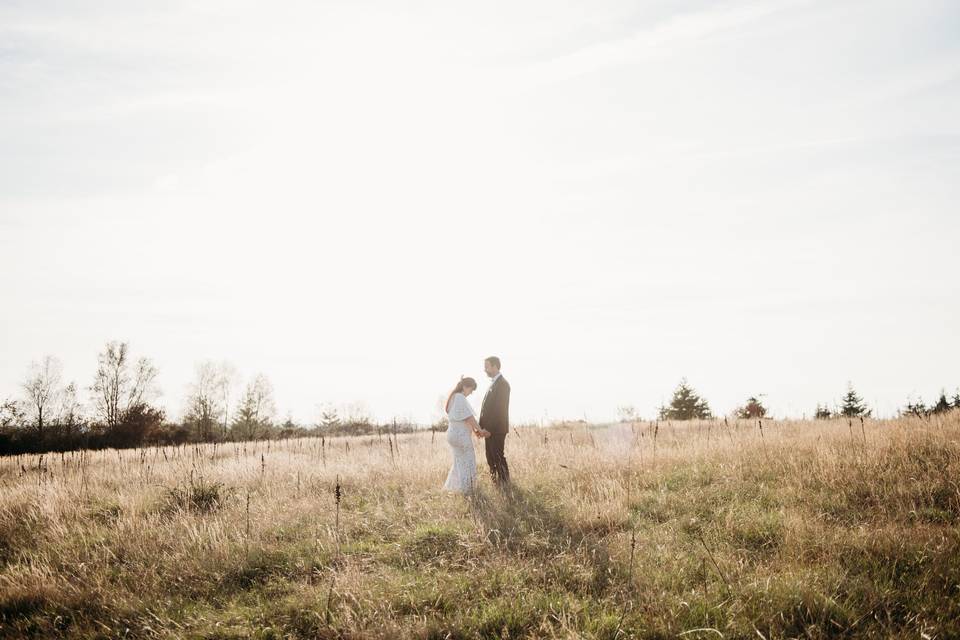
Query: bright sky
[363,199]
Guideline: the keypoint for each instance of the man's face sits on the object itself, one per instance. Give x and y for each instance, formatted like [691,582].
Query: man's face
[490,369]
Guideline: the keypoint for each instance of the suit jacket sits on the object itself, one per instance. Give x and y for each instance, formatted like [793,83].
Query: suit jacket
[495,410]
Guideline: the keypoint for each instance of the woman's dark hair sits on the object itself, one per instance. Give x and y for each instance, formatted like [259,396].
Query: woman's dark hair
[463,384]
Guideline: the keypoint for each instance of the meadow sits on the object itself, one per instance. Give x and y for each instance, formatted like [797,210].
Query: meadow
[714,529]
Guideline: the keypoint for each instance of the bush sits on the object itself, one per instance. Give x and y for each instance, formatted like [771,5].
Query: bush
[197,496]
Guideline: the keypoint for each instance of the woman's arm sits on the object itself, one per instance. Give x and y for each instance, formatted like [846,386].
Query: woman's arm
[472,423]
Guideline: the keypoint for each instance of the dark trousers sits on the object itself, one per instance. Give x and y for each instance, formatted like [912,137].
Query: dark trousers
[495,459]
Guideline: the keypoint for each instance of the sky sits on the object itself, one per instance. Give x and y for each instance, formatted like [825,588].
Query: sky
[362,200]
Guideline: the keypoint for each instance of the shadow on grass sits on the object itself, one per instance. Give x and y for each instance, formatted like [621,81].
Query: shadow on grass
[522,522]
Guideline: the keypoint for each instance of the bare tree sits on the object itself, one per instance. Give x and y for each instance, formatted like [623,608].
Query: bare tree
[204,406]
[43,391]
[626,413]
[355,413]
[116,388]
[226,384]
[12,414]
[71,411]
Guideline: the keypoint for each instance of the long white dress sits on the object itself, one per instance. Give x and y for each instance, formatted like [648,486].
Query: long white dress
[463,473]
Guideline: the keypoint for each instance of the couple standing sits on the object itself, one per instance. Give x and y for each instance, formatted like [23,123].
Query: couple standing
[492,427]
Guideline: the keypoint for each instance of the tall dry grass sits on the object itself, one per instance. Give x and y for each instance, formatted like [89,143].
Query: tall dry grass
[709,529]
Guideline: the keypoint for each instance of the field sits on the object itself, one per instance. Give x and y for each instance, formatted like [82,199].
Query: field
[693,530]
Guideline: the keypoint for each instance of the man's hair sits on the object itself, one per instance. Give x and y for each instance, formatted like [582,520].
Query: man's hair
[494,360]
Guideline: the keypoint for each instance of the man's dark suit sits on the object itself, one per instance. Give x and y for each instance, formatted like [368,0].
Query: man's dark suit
[494,417]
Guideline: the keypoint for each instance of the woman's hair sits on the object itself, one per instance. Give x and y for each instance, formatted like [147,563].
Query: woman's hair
[463,384]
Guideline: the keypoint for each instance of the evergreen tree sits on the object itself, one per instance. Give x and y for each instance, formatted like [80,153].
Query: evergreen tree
[247,424]
[290,428]
[254,416]
[916,408]
[329,420]
[942,405]
[686,404]
[853,405]
[956,400]
[822,412]
[752,409]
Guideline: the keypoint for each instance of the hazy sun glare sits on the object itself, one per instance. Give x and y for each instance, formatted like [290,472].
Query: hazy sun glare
[363,200]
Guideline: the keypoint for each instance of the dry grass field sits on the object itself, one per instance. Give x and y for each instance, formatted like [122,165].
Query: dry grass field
[692,530]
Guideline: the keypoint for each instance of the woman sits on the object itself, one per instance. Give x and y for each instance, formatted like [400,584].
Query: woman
[463,422]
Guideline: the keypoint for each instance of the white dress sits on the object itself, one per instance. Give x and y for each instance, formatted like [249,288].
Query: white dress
[463,473]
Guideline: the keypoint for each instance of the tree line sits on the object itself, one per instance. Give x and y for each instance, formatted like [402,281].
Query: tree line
[120,411]
[50,415]
[687,404]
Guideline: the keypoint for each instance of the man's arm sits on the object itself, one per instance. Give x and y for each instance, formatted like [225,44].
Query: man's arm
[506,407]
[499,403]
[505,416]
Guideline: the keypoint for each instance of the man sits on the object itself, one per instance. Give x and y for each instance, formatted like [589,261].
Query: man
[494,418]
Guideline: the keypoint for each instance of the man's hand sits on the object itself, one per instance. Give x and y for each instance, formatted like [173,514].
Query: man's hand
[483,433]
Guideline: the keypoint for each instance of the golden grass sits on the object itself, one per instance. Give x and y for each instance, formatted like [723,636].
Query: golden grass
[803,529]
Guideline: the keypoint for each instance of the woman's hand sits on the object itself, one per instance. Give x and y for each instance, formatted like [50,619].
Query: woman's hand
[474,427]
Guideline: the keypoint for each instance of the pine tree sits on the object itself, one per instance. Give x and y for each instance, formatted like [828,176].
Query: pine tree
[942,405]
[247,424]
[329,420]
[686,404]
[752,409]
[853,406]
[916,408]
[822,412]
[254,417]
[956,400]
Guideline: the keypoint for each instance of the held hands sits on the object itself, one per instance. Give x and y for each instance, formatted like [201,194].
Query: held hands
[481,433]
